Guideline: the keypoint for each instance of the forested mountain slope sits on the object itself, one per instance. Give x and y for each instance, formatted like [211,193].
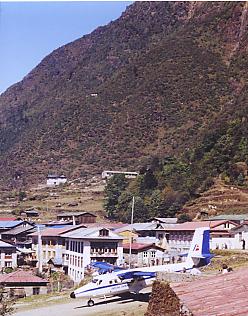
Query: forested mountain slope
[165,79]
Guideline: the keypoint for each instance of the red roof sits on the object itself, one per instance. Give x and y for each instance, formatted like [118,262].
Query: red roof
[7,218]
[138,246]
[217,295]
[193,225]
[21,277]
[53,232]
[106,225]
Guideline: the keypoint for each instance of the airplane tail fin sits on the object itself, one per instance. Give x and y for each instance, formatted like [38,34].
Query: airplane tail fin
[199,253]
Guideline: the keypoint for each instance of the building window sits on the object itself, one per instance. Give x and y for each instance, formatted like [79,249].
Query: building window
[145,254]
[36,290]
[153,253]
[103,232]
[160,236]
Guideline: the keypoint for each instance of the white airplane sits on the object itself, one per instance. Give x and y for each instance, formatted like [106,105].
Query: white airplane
[134,280]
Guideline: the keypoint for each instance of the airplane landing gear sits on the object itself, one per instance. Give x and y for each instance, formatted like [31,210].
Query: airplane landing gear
[91,303]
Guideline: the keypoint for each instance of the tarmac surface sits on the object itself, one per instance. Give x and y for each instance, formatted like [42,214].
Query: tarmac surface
[113,306]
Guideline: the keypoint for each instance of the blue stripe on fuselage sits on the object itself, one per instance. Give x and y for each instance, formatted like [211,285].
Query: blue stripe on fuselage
[110,285]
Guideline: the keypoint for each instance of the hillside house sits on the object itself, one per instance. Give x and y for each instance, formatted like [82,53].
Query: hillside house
[55,180]
[78,217]
[8,255]
[23,283]
[128,174]
[30,213]
[85,245]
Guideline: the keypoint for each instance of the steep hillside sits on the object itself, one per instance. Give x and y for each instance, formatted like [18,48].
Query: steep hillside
[220,198]
[166,78]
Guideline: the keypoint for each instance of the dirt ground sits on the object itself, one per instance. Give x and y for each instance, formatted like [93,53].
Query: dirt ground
[115,306]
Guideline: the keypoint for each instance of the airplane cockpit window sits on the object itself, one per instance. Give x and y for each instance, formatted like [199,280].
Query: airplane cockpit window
[99,282]
[116,281]
[110,282]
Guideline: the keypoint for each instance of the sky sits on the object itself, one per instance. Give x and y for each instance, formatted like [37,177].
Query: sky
[31,30]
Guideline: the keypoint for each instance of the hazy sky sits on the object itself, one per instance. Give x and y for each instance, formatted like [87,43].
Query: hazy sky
[31,30]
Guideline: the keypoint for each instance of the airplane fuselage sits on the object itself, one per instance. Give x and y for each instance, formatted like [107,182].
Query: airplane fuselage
[111,284]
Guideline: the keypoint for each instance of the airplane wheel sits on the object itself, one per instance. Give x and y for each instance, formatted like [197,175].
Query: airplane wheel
[91,303]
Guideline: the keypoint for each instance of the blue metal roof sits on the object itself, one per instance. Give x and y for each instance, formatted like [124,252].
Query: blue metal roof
[9,224]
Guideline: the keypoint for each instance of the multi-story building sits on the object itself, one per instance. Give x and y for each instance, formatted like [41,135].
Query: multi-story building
[53,245]
[85,245]
[177,237]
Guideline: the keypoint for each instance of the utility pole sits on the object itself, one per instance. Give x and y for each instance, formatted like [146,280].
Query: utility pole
[130,236]
[39,251]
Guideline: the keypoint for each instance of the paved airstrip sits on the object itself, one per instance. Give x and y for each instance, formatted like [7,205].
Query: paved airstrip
[112,306]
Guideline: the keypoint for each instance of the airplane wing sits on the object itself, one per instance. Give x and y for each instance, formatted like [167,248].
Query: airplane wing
[136,274]
[104,267]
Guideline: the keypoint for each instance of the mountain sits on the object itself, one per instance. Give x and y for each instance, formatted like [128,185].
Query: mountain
[165,79]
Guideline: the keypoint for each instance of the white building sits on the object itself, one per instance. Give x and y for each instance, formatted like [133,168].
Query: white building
[54,180]
[86,245]
[8,255]
[53,245]
[177,237]
[128,174]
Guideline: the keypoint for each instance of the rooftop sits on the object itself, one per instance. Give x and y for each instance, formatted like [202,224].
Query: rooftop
[232,217]
[21,277]
[93,232]
[9,224]
[19,229]
[75,214]
[140,246]
[4,244]
[7,219]
[217,295]
[54,232]
[167,220]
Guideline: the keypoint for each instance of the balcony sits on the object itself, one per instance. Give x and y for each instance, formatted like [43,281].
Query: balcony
[103,254]
[8,257]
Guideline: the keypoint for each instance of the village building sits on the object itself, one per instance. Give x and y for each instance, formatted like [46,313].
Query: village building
[55,180]
[8,255]
[177,237]
[23,283]
[143,255]
[240,236]
[52,243]
[30,213]
[86,245]
[6,225]
[19,235]
[77,217]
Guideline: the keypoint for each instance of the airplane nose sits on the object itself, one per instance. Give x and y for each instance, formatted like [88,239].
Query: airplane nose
[72,295]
